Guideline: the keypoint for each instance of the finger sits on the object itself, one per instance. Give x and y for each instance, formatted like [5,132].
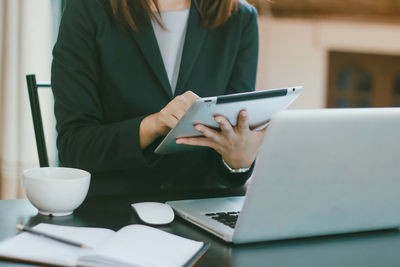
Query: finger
[243,122]
[186,100]
[225,125]
[191,97]
[175,108]
[171,121]
[167,119]
[177,111]
[182,102]
[208,132]
[196,141]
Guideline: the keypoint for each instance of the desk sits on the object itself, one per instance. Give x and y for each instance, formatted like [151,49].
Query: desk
[380,248]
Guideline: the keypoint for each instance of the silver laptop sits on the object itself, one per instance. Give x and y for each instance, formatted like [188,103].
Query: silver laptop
[319,172]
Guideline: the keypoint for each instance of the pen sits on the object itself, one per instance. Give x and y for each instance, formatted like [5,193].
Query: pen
[24,228]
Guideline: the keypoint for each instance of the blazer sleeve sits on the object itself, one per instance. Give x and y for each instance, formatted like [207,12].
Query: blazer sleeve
[242,79]
[84,140]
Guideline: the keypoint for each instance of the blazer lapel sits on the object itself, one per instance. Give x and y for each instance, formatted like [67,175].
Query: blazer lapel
[147,42]
[195,35]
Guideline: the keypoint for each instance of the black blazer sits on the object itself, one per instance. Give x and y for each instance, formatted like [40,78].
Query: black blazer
[106,80]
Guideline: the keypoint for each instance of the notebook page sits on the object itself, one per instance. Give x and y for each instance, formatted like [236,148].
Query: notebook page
[140,245]
[31,247]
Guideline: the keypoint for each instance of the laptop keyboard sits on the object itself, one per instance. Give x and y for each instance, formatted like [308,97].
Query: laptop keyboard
[227,218]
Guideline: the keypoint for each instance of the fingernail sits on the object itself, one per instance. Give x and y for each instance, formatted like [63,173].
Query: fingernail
[244,113]
[218,119]
[178,141]
[198,128]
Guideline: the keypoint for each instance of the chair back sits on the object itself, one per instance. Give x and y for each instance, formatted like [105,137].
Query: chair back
[47,119]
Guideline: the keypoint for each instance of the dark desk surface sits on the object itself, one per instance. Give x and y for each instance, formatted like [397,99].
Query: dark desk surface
[380,248]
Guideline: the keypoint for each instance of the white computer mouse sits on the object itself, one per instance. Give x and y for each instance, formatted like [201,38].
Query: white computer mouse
[154,213]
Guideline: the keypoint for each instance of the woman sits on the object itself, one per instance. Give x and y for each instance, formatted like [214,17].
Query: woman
[125,71]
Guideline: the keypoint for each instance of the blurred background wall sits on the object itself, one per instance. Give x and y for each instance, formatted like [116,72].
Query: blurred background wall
[298,41]
[295,51]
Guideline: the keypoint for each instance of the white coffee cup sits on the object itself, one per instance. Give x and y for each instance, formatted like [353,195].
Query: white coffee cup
[56,191]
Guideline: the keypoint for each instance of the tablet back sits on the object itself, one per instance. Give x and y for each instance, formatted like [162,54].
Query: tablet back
[260,105]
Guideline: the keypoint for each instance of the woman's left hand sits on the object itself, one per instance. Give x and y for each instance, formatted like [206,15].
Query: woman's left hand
[237,145]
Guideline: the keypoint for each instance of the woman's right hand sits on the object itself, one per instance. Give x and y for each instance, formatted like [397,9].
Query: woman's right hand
[169,116]
[160,123]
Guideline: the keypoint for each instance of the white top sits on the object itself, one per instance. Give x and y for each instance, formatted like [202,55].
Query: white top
[171,40]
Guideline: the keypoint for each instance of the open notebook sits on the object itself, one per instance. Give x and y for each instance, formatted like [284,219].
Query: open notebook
[133,245]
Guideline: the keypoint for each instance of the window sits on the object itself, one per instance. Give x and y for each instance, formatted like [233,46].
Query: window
[363,80]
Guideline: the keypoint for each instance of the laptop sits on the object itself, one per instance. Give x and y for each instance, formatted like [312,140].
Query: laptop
[319,172]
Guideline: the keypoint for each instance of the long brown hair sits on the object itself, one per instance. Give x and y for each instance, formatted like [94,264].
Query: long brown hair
[132,14]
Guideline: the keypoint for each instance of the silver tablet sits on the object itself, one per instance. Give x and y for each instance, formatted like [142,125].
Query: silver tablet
[260,105]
